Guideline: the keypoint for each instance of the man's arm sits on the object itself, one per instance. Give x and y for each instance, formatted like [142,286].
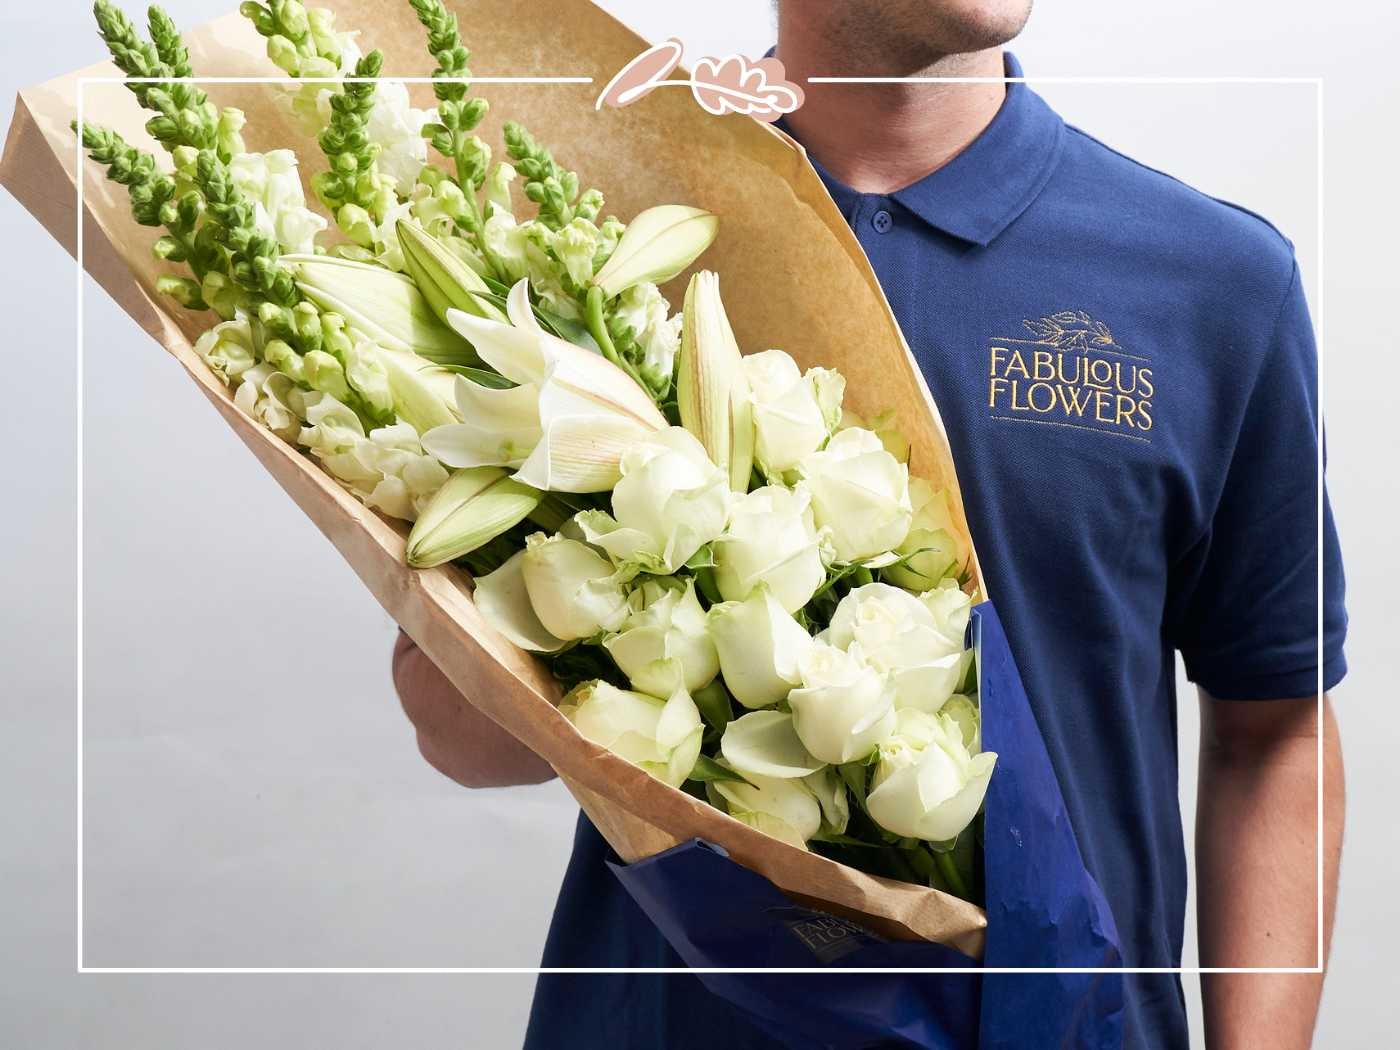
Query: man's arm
[458,740]
[1256,865]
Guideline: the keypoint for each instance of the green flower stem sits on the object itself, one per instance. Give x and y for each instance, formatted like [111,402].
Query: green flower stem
[598,328]
[949,870]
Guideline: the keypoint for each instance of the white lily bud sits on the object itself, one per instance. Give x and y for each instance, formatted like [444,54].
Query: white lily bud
[712,391]
[670,502]
[770,540]
[660,736]
[934,547]
[760,648]
[844,708]
[657,244]
[787,810]
[664,637]
[927,785]
[901,636]
[793,413]
[860,493]
[473,507]
[381,305]
[574,590]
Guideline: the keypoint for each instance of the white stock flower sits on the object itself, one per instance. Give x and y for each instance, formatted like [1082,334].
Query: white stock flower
[793,414]
[844,708]
[760,648]
[927,784]
[782,809]
[934,547]
[389,470]
[918,642]
[771,539]
[587,413]
[860,493]
[270,180]
[574,590]
[664,636]
[660,736]
[766,744]
[670,502]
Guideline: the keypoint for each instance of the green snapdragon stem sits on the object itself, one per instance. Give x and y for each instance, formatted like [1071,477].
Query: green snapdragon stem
[598,329]
[949,870]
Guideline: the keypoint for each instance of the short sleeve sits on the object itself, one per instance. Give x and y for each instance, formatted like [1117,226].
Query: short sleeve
[1245,597]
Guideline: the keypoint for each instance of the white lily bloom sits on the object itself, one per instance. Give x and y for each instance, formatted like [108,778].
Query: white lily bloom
[766,744]
[934,545]
[760,648]
[664,638]
[860,493]
[670,502]
[504,601]
[660,736]
[575,591]
[270,180]
[588,411]
[771,539]
[901,636]
[844,708]
[793,413]
[782,809]
[927,784]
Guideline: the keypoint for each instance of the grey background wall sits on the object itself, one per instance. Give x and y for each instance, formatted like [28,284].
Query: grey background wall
[253,796]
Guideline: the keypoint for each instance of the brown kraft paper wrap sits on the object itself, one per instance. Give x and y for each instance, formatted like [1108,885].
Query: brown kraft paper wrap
[792,275]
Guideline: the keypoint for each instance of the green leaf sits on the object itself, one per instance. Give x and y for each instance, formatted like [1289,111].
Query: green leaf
[714,704]
[707,769]
[482,376]
[704,558]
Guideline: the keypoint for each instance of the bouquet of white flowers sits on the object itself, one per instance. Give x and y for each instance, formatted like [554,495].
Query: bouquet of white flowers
[744,596]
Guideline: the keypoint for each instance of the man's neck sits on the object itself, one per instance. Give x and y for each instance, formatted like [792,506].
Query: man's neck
[878,138]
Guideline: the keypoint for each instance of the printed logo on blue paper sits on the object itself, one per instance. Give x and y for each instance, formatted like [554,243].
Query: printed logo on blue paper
[1070,373]
[828,937]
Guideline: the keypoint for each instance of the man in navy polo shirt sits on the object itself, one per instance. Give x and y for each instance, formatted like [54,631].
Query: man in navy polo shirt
[1127,374]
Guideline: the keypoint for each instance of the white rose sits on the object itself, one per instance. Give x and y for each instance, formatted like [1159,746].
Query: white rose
[918,645]
[670,502]
[766,744]
[781,809]
[771,539]
[660,736]
[760,648]
[665,636]
[927,784]
[504,602]
[934,546]
[844,708]
[573,589]
[793,413]
[860,493]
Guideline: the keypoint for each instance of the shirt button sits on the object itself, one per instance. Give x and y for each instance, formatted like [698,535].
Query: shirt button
[882,221]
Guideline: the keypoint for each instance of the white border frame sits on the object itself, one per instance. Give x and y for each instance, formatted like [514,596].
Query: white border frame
[1317,317]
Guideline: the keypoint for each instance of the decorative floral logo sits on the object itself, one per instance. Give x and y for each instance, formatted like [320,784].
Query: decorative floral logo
[734,84]
[1070,329]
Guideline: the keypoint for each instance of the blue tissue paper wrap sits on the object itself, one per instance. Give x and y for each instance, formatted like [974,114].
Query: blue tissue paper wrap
[1043,907]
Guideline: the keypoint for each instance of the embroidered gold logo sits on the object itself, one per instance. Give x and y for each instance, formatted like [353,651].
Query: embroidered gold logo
[1072,373]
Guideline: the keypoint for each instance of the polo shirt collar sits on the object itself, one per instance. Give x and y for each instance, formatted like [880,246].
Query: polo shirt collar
[983,190]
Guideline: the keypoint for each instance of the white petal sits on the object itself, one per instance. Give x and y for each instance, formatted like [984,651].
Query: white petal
[765,744]
[504,602]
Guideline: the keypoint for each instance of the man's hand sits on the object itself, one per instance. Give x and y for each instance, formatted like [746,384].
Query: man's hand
[1256,866]
[458,740]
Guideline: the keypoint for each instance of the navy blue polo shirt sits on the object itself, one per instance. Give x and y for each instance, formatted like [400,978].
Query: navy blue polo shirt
[1127,372]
